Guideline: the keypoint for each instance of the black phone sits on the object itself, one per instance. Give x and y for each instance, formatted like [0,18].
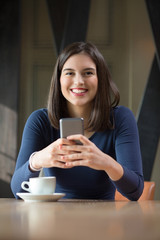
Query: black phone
[71,126]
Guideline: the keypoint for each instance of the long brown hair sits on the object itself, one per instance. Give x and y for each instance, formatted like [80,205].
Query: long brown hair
[107,96]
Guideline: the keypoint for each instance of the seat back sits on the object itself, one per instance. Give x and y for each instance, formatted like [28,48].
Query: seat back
[148,193]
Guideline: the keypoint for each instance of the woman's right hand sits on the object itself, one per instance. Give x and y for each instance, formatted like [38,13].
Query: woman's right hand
[51,156]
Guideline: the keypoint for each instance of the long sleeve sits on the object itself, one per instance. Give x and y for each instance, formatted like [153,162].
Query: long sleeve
[33,139]
[127,149]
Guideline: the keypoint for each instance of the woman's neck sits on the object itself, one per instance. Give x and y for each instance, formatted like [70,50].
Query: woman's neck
[81,112]
[78,111]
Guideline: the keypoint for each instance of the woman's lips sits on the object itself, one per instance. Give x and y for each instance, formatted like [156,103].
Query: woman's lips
[79,91]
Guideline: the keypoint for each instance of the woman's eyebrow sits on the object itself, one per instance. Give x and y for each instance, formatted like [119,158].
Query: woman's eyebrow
[85,69]
[68,69]
[91,69]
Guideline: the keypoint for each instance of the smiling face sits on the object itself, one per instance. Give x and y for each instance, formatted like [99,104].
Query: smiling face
[79,81]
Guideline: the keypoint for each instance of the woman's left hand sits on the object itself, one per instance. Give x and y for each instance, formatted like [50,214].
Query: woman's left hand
[90,155]
[87,154]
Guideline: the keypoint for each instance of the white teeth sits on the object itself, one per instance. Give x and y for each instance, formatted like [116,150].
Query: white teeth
[78,90]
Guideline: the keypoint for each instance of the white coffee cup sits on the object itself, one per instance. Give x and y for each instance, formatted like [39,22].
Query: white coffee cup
[40,185]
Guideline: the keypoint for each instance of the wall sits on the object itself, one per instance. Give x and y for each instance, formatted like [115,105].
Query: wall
[120,29]
[38,57]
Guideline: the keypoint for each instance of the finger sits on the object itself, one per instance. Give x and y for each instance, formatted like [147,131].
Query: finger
[62,141]
[85,163]
[55,161]
[79,137]
[65,141]
[62,165]
[72,149]
[85,149]
[52,160]
[71,157]
[56,148]
[76,156]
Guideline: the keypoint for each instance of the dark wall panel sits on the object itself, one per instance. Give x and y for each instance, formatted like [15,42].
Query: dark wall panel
[9,52]
[69,20]
[149,117]
[149,120]
[9,80]
[153,7]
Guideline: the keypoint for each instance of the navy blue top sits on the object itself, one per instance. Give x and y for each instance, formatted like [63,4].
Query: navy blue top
[122,144]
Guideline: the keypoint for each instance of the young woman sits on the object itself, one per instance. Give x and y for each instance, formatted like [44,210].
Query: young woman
[109,156]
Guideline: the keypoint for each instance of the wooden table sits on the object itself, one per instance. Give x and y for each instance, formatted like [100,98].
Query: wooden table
[79,220]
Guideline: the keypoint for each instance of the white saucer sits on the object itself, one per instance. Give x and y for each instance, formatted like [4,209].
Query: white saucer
[29,197]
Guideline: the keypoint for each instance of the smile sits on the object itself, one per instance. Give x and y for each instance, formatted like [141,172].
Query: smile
[79,90]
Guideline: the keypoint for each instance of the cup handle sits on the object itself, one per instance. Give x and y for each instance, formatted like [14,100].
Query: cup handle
[25,188]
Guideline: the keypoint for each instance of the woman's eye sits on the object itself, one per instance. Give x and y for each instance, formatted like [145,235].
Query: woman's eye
[88,73]
[69,73]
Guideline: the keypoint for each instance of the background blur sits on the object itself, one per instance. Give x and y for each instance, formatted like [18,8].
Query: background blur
[33,32]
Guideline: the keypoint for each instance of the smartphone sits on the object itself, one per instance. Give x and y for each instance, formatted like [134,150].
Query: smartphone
[71,126]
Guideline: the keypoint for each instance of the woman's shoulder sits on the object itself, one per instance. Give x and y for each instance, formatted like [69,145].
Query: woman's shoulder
[39,116]
[123,115]
[122,111]
[42,112]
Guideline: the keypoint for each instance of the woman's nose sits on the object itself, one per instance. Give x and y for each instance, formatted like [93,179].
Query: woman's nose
[78,79]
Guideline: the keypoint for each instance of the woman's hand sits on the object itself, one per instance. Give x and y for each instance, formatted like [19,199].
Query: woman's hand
[91,156]
[51,156]
[64,153]
[83,155]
